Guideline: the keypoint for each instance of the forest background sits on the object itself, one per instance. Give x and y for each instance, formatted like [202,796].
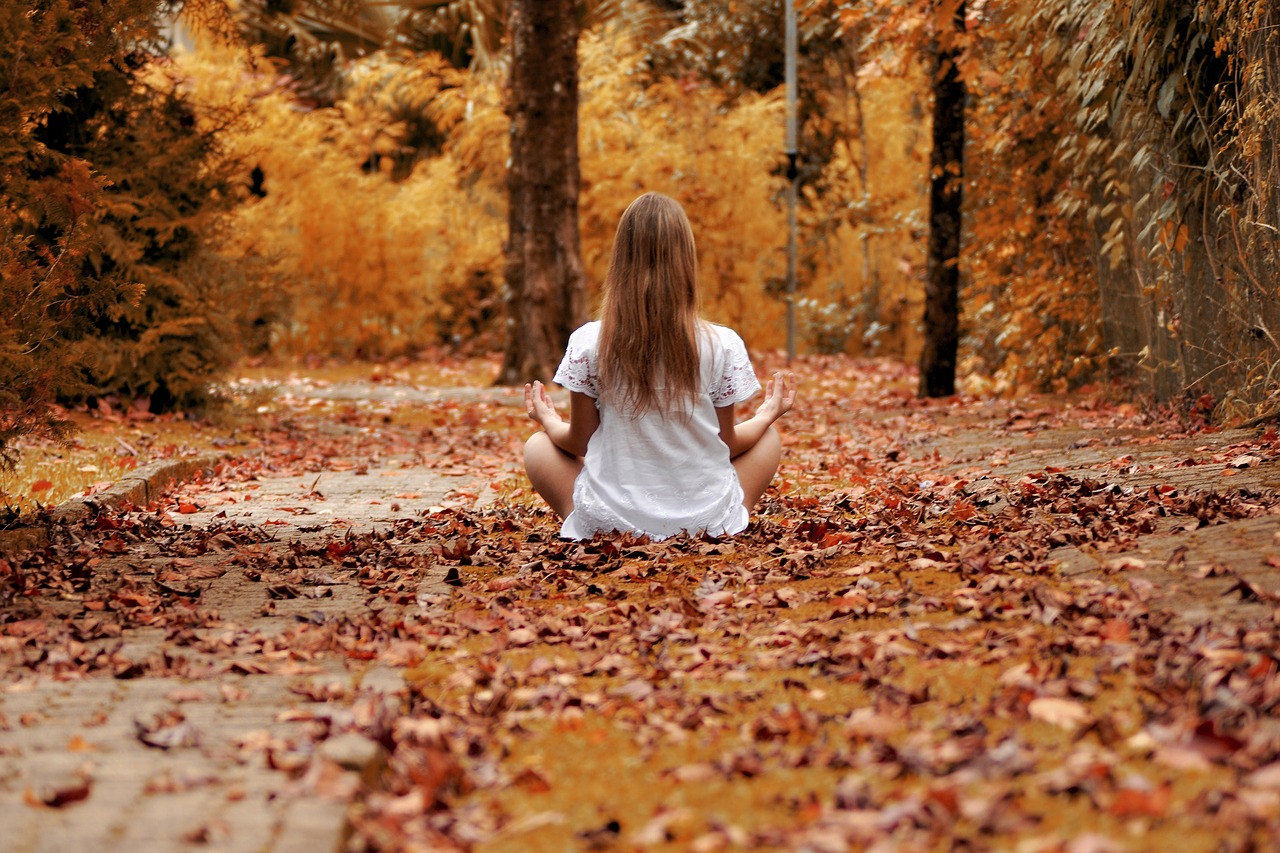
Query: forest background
[185,184]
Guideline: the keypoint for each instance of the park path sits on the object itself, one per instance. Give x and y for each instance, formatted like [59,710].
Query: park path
[1192,571]
[216,753]
[206,738]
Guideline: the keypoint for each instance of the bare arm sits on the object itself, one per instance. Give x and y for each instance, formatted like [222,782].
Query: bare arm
[779,397]
[572,435]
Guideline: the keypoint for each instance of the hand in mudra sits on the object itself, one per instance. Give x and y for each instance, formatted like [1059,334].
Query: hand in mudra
[538,405]
[779,396]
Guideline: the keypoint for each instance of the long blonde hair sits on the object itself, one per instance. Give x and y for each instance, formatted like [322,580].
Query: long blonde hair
[649,324]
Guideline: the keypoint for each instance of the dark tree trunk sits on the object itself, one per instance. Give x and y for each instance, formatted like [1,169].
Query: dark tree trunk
[545,297]
[946,196]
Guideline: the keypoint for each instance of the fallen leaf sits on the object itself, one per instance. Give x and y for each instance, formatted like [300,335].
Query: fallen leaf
[63,794]
[1066,714]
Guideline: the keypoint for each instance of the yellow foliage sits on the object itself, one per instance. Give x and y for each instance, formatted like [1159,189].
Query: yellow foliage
[370,267]
[717,162]
[861,259]
[378,263]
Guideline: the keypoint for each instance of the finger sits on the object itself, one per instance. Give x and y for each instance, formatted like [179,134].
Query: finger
[786,393]
[537,402]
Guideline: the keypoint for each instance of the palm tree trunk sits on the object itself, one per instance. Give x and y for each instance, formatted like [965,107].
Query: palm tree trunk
[545,295]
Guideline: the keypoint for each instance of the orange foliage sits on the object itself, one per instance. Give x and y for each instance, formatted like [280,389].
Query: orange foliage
[1120,201]
[374,266]
[1032,316]
[367,266]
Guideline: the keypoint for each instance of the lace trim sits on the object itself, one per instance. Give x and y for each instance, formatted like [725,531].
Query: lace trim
[737,380]
[576,374]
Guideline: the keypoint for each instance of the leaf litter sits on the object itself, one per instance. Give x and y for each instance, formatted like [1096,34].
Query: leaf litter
[888,656]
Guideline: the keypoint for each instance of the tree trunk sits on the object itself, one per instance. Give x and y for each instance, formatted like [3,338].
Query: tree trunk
[544,288]
[946,196]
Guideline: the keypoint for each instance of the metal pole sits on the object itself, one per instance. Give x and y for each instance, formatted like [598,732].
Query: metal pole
[792,178]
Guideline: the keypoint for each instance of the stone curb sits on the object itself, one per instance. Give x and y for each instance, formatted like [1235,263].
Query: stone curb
[139,488]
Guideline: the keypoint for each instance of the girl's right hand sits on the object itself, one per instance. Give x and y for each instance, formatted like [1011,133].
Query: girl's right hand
[538,405]
[779,396]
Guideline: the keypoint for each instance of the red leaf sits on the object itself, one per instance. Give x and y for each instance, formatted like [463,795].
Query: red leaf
[1132,802]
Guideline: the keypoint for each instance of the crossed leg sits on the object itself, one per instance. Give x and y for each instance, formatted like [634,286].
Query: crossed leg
[552,471]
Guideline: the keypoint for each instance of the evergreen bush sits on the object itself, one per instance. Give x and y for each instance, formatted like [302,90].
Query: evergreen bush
[111,193]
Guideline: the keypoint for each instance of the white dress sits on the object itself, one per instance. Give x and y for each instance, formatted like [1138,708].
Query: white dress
[654,474]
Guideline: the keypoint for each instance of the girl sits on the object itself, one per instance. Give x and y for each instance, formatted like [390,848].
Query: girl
[651,445]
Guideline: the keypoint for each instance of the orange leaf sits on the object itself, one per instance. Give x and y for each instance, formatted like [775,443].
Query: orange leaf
[1130,802]
[41,486]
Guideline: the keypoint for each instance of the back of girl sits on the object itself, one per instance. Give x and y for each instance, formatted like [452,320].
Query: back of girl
[652,445]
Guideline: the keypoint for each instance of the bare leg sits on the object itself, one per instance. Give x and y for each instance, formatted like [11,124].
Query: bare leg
[552,472]
[757,466]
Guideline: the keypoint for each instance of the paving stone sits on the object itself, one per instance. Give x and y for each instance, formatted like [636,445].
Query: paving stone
[1172,559]
[212,796]
[219,797]
[355,752]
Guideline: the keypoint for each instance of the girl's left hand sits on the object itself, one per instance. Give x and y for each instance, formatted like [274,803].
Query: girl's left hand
[538,405]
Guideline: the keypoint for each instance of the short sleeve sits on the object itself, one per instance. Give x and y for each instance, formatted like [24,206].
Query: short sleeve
[735,379]
[577,370]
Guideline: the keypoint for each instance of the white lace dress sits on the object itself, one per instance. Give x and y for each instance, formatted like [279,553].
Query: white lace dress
[655,474]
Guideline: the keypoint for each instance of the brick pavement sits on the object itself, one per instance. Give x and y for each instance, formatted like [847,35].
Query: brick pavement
[208,786]
[212,789]
[1194,575]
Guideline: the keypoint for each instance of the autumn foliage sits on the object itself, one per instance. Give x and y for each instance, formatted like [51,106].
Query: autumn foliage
[1135,135]
[113,279]
[1082,253]
[171,209]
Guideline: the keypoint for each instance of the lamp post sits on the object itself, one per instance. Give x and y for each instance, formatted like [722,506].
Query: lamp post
[793,177]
